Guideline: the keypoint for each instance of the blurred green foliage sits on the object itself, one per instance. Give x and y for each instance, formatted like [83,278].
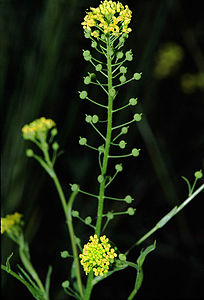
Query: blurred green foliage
[42,70]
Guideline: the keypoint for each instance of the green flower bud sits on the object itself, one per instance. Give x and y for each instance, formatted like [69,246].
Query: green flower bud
[29,153]
[122,144]
[100,178]
[54,132]
[198,174]
[87,34]
[98,67]
[87,80]
[122,79]
[137,117]
[88,220]
[55,146]
[82,141]
[128,199]
[137,76]
[129,55]
[133,101]
[131,211]
[74,187]
[75,213]
[123,70]
[122,257]
[119,167]
[124,130]
[95,119]
[83,94]
[88,119]
[65,284]
[135,152]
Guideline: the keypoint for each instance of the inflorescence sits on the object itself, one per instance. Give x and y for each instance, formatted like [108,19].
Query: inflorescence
[37,129]
[97,255]
[109,17]
[10,221]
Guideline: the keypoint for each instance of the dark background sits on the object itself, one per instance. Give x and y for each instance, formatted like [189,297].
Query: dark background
[42,70]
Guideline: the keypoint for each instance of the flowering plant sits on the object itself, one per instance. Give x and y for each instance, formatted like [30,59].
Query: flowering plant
[107,26]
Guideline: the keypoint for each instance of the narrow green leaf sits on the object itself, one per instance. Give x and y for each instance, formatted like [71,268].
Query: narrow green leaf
[8,267]
[144,253]
[166,218]
[47,281]
[188,184]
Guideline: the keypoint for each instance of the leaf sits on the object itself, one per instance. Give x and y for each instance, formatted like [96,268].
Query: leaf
[166,218]
[8,267]
[47,281]
[119,267]
[188,184]
[139,276]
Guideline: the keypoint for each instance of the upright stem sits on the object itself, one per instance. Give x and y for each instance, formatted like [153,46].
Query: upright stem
[107,143]
[105,161]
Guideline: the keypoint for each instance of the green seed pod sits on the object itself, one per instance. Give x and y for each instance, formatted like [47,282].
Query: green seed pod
[198,174]
[88,119]
[65,284]
[101,148]
[95,119]
[93,44]
[55,146]
[88,220]
[87,80]
[133,101]
[64,254]
[137,76]
[131,211]
[137,117]
[123,70]
[124,130]
[119,167]
[122,79]
[75,213]
[122,144]
[98,67]
[83,94]
[100,178]
[87,34]
[128,199]
[119,55]
[110,215]
[129,55]
[87,55]
[74,187]
[135,152]
[82,141]
[112,92]
[29,153]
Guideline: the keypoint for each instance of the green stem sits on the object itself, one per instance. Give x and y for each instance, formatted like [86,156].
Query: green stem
[107,143]
[105,161]
[67,211]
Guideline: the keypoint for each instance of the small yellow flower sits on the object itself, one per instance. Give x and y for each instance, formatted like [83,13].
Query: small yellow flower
[10,221]
[110,18]
[37,129]
[97,255]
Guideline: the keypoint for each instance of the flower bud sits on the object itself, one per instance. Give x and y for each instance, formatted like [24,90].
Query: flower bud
[54,132]
[29,153]
[65,284]
[55,146]
[65,254]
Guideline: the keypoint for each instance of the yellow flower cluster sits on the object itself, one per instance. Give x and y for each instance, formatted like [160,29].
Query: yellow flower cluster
[37,128]
[168,59]
[97,256]
[109,17]
[9,221]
